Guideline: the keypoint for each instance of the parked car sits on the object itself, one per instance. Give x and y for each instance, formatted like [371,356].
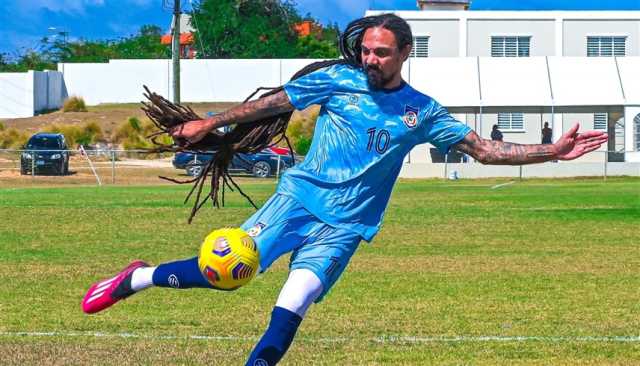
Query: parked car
[262,164]
[45,152]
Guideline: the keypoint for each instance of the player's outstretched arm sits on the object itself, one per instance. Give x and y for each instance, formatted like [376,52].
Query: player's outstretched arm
[268,106]
[570,146]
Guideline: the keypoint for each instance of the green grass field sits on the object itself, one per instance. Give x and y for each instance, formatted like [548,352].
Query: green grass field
[457,274]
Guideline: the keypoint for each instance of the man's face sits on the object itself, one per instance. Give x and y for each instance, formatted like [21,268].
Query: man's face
[381,58]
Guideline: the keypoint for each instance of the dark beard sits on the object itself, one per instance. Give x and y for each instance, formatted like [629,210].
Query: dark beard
[375,77]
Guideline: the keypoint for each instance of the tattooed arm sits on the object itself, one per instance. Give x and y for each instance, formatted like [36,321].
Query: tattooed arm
[570,146]
[504,153]
[271,105]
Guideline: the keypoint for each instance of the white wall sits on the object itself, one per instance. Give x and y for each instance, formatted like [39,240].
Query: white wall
[16,95]
[121,81]
[26,93]
[226,80]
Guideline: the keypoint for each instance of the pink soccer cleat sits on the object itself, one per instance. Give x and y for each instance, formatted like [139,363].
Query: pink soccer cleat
[105,293]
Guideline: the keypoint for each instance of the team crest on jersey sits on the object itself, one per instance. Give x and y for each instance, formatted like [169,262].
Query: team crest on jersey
[410,117]
[256,229]
[353,99]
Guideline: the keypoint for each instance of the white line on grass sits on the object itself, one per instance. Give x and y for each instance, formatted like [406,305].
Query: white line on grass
[381,339]
[503,184]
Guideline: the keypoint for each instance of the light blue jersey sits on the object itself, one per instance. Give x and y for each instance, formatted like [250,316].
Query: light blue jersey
[359,144]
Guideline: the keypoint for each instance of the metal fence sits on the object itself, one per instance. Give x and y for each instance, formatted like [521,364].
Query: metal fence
[124,167]
[105,167]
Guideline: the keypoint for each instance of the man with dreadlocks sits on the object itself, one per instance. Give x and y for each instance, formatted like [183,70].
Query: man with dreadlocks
[323,207]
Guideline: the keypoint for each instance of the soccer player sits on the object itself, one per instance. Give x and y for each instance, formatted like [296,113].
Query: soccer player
[326,205]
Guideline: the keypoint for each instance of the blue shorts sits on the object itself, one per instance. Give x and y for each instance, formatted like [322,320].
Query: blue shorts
[282,225]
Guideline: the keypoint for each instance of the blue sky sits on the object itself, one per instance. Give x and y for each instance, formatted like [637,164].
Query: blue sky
[24,22]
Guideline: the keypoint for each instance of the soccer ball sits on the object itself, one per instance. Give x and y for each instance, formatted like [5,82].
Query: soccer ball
[228,258]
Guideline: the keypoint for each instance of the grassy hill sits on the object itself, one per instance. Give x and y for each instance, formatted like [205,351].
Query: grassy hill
[108,116]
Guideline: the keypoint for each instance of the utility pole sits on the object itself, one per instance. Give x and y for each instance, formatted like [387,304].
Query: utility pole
[175,51]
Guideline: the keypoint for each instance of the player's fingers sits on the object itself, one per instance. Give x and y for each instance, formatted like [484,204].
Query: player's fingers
[572,131]
[599,141]
[590,149]
[590,134]
[590,144]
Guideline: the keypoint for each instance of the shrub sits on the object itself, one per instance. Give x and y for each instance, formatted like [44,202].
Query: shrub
[2,126]
[13,138]
[91,133]
[87,134]
[132,134]
[74,104]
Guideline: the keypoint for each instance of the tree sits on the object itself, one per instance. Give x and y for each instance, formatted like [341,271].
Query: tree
[253,29]
[32,60]
[143,45]
[312,47]
[245,29]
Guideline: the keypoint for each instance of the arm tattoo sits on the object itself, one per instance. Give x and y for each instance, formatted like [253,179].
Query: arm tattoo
[504,153]
[250,111]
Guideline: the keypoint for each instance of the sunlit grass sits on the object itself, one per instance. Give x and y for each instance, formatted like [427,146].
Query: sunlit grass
[539,258]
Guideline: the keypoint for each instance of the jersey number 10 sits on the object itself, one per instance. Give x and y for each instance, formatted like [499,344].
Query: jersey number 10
[379,139]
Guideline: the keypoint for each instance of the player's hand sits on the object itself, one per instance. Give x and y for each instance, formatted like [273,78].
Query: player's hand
[573,145]
[190,132]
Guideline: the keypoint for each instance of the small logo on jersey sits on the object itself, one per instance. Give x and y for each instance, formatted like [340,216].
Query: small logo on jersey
[256,229]
[353,99]
[173,281]
[410,117]
[260,362]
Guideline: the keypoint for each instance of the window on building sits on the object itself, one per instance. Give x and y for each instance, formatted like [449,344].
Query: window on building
[510,121]
[510,46]
[420,47]
[606,46]
[600,121]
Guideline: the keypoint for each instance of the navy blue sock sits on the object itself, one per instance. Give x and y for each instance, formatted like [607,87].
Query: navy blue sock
[277,339]
[180,274]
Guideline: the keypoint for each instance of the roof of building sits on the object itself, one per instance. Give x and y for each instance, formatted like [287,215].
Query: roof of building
[185,38]
[527,81]
[513,14]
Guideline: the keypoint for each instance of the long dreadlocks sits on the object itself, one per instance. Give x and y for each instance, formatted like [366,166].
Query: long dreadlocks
[254,136]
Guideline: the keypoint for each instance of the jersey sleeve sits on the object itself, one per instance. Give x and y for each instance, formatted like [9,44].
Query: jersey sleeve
[441,129]
[313,88]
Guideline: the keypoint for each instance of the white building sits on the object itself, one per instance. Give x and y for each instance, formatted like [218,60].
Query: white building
[519,69]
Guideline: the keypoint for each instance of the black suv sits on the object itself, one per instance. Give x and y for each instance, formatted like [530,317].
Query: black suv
[45,152]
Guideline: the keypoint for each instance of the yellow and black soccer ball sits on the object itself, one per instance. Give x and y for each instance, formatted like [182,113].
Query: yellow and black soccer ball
[228,258]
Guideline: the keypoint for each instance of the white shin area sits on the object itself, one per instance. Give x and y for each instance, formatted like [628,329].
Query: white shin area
[299,292]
